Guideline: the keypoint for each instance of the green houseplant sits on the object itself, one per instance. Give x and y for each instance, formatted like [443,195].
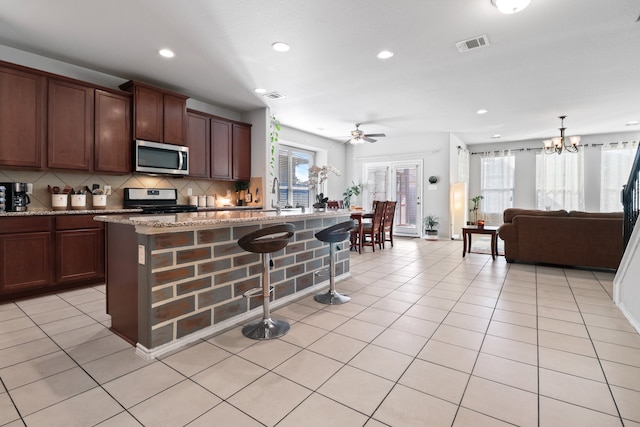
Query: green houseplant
[475,208]
[430,223]
[353,190]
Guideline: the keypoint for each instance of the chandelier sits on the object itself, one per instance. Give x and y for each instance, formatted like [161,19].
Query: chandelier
[559,143]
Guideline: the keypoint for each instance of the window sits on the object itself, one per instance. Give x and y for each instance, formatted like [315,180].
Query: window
[497,174]
[293,174]
[616,163]
[560,181]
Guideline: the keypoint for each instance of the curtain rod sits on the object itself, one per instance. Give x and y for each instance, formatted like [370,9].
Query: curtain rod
[540,149]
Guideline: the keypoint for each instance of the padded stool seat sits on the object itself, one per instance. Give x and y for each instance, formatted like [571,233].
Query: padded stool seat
[334,235]
[266,241]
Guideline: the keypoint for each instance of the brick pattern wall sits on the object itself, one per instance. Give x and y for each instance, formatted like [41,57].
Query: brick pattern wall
[197,278]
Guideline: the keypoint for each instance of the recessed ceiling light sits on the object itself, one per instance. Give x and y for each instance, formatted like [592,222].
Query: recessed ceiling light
[385,54]
[280,47]
[510,6]
[260,90]
[482,111]
[633,123]
[167,53]
[496,136]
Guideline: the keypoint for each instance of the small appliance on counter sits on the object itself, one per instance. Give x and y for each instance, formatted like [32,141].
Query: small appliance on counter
[155,200]
[15,196]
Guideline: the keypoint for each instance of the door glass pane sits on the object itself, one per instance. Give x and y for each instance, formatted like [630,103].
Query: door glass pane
[406,210]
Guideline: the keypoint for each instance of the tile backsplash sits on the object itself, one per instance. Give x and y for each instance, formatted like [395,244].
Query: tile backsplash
[41,198]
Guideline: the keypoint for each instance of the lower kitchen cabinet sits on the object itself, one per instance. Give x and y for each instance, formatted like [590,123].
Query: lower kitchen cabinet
[26,247]
[79,249]
[42,254]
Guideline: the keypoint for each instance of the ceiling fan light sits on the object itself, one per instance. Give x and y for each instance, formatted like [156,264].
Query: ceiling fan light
[510,6]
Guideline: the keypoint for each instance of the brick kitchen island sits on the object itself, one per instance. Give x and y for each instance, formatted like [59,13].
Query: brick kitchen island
[173,279]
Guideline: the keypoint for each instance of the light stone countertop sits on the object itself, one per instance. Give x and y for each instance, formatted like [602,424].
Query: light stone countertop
[146,224]
[44,212]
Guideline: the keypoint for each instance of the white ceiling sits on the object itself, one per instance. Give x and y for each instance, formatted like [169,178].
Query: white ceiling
[579,58]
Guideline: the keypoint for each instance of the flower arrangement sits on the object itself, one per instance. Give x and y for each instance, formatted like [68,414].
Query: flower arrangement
[317,176]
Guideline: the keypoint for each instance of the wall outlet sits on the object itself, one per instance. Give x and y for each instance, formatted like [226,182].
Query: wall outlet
[189,191]
[107,190]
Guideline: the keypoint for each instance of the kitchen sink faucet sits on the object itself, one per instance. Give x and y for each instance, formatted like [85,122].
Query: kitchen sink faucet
[275,189]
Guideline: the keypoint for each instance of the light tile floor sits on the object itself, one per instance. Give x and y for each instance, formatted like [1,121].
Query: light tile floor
[428,339]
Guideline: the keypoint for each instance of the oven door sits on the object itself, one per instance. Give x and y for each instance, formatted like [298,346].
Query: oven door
[161,159]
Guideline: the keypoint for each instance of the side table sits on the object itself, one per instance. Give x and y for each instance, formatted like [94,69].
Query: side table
[474,229]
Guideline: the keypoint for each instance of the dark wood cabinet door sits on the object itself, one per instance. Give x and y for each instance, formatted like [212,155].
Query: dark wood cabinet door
[22,118]
[25,261]
[70,125]
[241,152]
[148,114]
[112,138]
[175,119]
[198,141]
[221,149]
[79,255]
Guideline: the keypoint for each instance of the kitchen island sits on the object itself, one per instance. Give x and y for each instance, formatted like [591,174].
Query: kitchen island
[173,279]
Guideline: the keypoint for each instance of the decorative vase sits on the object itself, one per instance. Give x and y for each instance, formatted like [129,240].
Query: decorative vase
[320,206]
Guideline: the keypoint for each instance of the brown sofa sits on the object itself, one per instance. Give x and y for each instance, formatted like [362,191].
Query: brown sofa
[581,239]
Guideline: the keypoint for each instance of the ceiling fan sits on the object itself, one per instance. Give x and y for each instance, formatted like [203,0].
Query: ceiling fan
[358,136]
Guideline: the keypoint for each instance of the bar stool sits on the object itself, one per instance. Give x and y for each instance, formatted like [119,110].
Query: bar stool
[266,241]
[334,235]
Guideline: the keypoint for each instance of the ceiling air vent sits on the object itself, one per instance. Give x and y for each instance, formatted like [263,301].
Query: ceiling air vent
[474,43]
[274,95]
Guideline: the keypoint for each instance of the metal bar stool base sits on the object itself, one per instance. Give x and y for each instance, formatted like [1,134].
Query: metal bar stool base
[265,329]
[332,298]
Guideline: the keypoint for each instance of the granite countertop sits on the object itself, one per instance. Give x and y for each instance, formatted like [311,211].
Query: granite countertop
[43,212]
[215,218]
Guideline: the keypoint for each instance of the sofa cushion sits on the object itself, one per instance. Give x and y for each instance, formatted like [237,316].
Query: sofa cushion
[595,214]
[512,212]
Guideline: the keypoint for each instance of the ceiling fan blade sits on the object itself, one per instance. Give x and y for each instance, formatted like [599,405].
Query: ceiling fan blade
[366,138]
[375,135]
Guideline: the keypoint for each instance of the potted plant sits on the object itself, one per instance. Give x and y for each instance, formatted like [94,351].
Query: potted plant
[475,208]
[321,202]
[430,227]
[353,190]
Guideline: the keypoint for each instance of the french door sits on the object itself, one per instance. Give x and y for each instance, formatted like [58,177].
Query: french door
[399,181]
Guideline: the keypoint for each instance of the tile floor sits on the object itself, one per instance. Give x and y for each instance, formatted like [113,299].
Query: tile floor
[428,339]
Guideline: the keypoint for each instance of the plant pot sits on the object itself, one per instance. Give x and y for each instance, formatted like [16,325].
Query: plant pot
[320,206]
[431,235]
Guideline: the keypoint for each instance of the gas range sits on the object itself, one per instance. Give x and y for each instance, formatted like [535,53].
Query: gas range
[155,200]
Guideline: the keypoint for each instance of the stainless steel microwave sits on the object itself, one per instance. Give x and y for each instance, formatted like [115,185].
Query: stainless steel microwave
[162,159]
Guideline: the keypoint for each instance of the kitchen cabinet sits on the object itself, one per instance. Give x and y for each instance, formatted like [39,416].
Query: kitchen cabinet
[241,152]
[198,141]
[26,247]
[112,137]
[69,125]
[48,253]
[221,149]
[79,249]
[22,117]
[158,115]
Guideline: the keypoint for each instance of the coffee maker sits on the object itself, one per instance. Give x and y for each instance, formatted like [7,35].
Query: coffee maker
[16,198]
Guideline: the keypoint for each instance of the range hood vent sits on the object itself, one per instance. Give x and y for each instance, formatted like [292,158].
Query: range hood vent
[474,43]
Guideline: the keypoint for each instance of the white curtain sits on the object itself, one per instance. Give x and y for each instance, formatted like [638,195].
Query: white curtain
[616,163]
[560,181]
[463,165]
[497,177]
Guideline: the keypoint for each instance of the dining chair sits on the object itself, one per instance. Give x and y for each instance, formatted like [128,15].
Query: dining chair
[387,226]
[372,229]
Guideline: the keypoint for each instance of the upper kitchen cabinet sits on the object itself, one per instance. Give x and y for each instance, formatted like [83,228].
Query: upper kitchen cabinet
[199,143]
[241,152]
[158,115]
[22,117]
[70,125]
[221,149]
[112,137]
